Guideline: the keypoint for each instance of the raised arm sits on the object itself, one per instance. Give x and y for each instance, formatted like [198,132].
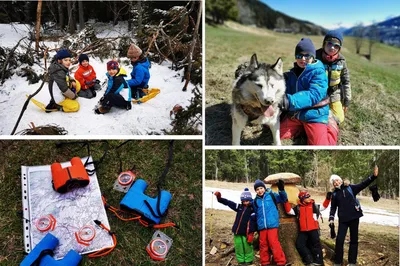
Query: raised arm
[358,187]
[234,206]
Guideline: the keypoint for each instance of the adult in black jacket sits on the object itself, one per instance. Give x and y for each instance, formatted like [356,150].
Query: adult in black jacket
[349,213]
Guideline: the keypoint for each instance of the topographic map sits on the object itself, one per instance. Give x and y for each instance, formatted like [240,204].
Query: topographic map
[72,211]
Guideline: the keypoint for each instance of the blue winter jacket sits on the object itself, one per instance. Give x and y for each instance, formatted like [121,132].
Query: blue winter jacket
[266,211]
[244,221]
[307,90]
[140,74]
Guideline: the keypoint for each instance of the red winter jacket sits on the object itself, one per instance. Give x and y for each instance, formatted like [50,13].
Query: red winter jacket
[86,76]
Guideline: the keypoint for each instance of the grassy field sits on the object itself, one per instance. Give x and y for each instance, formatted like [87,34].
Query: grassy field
[373,117]
[184,181]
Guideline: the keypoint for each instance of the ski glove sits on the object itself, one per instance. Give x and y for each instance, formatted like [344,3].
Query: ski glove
[250,238]
[332,226]
[329,195]
[218,195]
[374,191]
[281,185]
[284,104]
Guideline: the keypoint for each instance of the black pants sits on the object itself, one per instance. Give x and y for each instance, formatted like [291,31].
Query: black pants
[116,100]
[309,247]
[341,235]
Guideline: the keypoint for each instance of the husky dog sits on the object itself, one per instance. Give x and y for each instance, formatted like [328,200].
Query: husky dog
[257,91]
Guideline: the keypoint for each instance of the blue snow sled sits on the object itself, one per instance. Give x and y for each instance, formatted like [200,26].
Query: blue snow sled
[135,200]
[42,254]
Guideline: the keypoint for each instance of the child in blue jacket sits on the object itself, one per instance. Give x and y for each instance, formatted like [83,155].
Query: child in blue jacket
[244,226]
[140,74]
[306,99]
[266,210]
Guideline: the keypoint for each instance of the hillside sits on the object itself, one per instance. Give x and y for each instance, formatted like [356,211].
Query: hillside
[373,117]
[255,12]
[388,31]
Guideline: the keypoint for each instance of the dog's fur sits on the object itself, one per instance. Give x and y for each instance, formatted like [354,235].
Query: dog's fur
[257,89]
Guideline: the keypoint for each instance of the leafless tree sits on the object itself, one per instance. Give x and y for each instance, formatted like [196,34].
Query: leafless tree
[373,38]
[280,23]
[359,34]
[61,15]
[295,27]
[81,18]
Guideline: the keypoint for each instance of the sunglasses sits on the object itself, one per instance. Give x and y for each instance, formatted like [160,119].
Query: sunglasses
[334,45]
[306,56]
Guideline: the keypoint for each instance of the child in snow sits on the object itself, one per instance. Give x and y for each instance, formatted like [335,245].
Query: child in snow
[63,89]
[306,99]
[349,213]
[87,78]
[140,74]
[308,244]
[266,210]
[118,93]
[244,226]
[338,73]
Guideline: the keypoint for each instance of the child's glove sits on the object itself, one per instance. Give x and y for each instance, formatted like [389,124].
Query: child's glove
[281,185]
[332,226]
[284,104]
[250,237]
[329,195]
[218,195]
[374,191]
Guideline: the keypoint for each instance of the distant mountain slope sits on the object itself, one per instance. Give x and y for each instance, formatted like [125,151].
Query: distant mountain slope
[255,12]
[388,31]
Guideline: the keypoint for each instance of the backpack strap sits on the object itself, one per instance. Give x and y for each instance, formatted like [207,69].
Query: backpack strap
[350,190]
[274,199]
[316,210]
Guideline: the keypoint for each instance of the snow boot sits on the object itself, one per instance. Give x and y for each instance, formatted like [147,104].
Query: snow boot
[53,106]
[102,110]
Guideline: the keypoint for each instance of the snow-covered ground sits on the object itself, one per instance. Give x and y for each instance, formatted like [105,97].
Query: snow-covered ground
[148,118]
[371,215]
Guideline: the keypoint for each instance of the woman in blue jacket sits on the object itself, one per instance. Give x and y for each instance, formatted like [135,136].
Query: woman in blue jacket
[306,99]
[140,74]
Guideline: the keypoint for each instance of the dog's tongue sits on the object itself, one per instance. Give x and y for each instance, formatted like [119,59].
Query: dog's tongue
[269,112]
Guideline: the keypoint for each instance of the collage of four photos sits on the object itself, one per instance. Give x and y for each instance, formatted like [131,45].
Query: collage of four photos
[200,132]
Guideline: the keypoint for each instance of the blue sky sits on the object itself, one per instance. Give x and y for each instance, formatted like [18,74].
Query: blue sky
[335,13]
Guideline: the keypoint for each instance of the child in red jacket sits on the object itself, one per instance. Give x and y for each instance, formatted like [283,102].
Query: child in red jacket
[87,78]
[308,244]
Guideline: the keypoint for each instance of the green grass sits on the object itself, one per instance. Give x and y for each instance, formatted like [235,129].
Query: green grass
[184,181]
[373,117]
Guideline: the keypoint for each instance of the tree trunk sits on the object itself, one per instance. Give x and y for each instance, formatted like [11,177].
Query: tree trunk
[140,16]
[245,167]
[115,20]
[216,170]
[38,18]
[71,23]
[81,16]
[61,22]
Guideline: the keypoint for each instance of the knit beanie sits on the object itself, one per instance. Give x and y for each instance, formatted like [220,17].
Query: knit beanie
[112,65]
[334,34]
[63,53]
[335,177]
[246,195]
[303,195]
[83,57]
[305,45]
[259,183]
[134,51]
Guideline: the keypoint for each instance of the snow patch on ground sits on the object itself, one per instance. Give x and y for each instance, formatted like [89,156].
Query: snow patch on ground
[147,118]
[371,215]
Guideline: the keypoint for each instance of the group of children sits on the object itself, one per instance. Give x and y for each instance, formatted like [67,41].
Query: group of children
[318,83]
[261,214]
[64,90]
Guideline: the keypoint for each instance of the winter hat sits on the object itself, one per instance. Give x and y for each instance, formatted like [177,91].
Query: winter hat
[334,34]
[83,57]
[335,177]
[303,195]
[259,183]
[134,51]
[246,195]
[112,65]
[63,53]
[305,45]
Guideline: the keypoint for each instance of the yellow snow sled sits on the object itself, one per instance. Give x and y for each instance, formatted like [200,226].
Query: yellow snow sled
[150,93]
